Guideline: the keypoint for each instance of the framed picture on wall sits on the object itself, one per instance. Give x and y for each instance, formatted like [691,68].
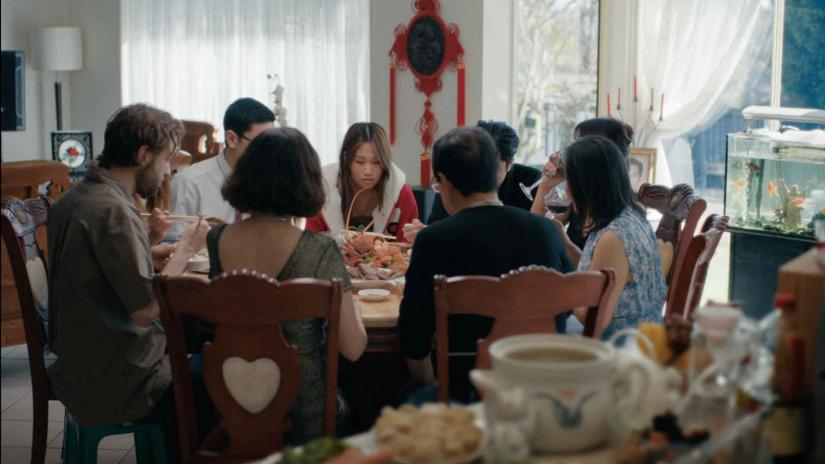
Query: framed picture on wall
[642,167]
[74,149]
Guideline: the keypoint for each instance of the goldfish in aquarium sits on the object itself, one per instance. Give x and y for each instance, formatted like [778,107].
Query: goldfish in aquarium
[772,189]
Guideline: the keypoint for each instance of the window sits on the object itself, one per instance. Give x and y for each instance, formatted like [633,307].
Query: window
[195,58]
[556,72]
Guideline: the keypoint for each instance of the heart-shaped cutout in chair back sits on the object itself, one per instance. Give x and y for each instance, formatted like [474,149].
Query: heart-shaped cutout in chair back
[253,385]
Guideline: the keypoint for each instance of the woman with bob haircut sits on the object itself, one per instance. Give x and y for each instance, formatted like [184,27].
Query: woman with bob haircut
[618,234]
[278,179]
[366,190]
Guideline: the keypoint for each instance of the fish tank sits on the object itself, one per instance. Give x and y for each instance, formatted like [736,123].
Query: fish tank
[775,180]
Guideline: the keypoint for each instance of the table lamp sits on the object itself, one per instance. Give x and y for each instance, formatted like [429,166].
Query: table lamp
[57,49]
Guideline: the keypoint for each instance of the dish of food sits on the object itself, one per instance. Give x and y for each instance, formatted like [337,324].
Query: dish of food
[370,256]
[433,433]
[374,294]
[199,262]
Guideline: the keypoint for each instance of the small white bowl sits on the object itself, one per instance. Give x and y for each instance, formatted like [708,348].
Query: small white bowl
[374,294]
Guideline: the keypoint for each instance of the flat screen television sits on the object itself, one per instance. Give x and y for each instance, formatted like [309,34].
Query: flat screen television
[12,81]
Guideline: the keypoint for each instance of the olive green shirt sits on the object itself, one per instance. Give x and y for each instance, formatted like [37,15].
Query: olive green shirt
[109,370]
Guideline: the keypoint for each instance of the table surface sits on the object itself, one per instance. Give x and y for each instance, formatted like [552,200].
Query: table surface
[600,455]
[376,314]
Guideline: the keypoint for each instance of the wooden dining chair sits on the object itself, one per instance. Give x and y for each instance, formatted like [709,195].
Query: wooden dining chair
[199,140]
[21,220]
[525,301]
[180,161]
[251,373]
[685,292]
[24,179]
[681,210]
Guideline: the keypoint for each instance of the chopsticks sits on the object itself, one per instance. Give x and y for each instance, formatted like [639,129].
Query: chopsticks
[177,217]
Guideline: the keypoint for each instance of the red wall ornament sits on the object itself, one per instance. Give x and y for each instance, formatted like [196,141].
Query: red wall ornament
[427,46]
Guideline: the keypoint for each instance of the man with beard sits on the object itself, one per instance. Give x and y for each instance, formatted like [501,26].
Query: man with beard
[103,318]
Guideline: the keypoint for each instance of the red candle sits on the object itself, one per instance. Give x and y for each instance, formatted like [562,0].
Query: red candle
[635,88]
[662,107]
[608,104]
[619,100]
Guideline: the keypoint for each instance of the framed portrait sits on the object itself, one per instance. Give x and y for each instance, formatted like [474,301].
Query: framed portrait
[642,167]
[74,149]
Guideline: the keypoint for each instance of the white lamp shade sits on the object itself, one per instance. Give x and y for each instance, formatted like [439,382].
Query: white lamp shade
[57,49]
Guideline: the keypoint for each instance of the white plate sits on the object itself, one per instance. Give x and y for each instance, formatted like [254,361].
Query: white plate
[374,294]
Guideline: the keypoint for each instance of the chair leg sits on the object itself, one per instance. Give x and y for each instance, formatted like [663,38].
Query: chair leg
[143,448]
[40,427]
[88,447]
[71,439]
[65,435]
[150,446]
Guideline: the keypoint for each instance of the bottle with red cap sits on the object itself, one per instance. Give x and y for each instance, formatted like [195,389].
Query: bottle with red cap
[786,424]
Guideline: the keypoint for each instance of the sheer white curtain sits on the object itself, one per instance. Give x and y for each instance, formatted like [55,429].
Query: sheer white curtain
[194,57]
[691,51]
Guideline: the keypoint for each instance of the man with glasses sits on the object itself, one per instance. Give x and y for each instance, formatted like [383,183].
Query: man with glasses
[197,189]
[480,237]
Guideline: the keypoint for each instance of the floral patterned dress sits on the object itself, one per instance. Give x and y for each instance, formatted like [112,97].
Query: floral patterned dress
[644,294]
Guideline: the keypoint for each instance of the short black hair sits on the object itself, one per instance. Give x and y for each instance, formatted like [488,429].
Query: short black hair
[243,113]
[468,158]
[279,173]
[134,126]
[616,131]
[504,136]
[598,180]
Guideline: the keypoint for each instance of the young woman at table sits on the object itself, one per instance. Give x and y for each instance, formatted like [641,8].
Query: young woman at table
[614,130]
[618,235]
[365,188]
[278,179]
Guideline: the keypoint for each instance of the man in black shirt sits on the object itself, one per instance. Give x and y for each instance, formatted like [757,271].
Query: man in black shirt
[509,176]
[481,237]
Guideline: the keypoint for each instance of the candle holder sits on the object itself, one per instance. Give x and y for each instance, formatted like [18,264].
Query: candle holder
[644,123]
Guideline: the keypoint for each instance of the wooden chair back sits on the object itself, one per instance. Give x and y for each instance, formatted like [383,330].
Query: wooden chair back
[247,310]
[181,160]
[525,301]
[689,280]
[21,220]
[681,210]
[22,179]
[199,140]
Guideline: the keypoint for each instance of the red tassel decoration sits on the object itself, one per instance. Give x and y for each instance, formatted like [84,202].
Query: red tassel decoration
[392,104]
[461,87]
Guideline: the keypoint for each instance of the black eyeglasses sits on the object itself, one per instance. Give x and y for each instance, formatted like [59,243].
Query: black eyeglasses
[244,137]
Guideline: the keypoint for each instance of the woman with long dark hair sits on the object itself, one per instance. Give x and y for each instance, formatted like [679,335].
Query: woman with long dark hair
[614,130]
[618,234]
[365,190]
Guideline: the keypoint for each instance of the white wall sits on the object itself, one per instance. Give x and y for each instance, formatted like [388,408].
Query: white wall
[19,18]
[96,88]
[482,24]
[89,95]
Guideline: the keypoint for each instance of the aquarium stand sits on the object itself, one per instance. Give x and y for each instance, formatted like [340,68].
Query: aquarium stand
[755,258]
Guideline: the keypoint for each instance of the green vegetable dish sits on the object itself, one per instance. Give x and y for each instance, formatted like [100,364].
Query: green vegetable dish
[315,452]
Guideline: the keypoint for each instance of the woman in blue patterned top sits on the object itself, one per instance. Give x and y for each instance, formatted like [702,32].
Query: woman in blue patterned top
[619,236]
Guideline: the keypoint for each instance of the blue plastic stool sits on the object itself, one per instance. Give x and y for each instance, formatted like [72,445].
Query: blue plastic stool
[82,442]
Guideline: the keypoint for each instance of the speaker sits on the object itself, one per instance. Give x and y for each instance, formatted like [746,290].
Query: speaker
[12,81]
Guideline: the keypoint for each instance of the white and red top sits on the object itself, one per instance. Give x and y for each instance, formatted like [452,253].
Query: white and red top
[399,206]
